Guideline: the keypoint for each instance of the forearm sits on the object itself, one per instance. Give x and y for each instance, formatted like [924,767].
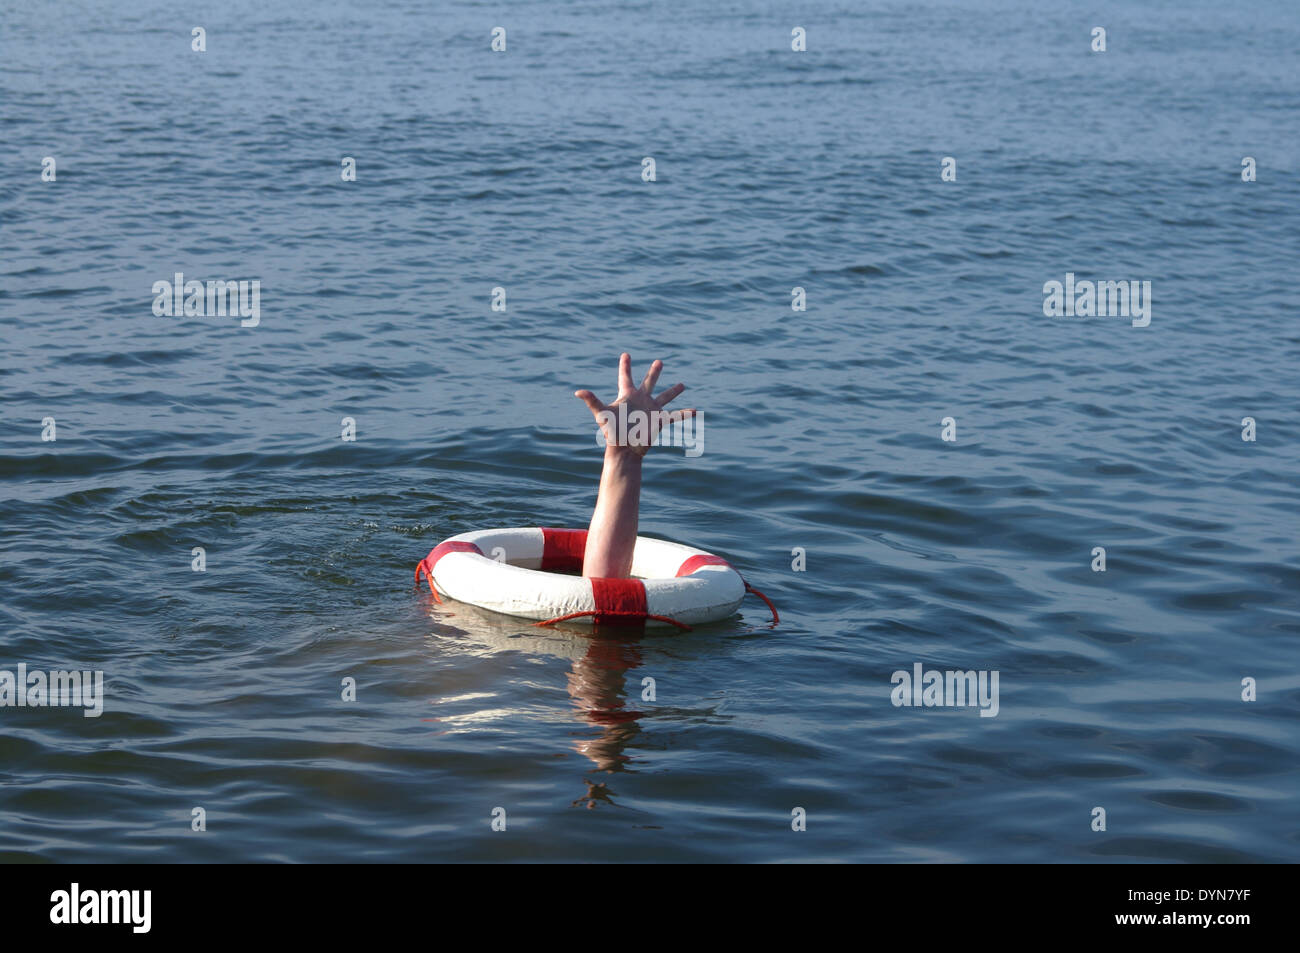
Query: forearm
[611,537]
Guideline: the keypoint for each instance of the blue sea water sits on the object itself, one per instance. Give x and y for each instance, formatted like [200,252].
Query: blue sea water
[775,169]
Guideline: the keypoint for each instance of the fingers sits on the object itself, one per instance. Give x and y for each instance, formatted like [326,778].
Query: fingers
[679,415]
[652,376]
[624,373]
[672,392]
[590,399]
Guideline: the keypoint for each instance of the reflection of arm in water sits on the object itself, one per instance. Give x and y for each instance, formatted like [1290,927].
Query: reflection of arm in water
[597,684]
[629,425]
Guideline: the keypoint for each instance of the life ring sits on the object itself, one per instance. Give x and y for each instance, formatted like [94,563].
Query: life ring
[521,572]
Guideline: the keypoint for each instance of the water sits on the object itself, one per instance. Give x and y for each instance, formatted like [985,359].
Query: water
[775,169]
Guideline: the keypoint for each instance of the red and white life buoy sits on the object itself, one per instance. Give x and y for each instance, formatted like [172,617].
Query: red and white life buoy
[521,572]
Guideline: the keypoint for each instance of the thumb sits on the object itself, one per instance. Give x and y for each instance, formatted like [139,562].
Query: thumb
[590,399]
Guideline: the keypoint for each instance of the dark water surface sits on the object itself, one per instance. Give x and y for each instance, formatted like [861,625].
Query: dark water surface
[776,169]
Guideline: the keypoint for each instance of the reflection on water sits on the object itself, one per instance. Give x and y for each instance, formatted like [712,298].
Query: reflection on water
[597,685]
[599,657]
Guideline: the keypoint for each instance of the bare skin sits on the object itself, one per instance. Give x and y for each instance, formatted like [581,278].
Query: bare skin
[611,537]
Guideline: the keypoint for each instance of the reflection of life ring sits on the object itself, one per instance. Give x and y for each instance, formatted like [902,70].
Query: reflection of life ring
[521,572]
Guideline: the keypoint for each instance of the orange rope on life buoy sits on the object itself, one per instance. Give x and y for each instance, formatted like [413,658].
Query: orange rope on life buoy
[775,618]
[428,574]
[592,612]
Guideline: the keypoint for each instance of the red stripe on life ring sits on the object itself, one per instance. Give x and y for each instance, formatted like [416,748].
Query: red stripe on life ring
[442,549]
[618,600]
[693,563]
[562,549]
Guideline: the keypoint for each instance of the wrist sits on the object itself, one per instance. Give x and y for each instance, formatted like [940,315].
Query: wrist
[623,457]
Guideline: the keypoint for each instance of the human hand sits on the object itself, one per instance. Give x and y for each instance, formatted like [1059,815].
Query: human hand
[631,423]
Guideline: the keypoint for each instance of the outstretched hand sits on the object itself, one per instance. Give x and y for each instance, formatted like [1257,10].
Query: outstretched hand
[637,415]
